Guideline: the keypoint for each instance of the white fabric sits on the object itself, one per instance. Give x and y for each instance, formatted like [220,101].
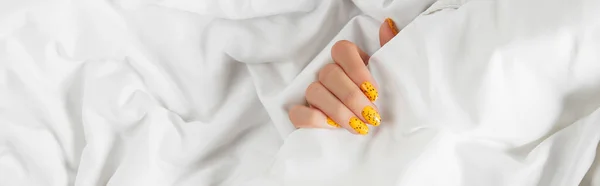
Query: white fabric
[182,92]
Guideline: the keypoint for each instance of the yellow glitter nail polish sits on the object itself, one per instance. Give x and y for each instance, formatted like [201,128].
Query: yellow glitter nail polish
[332,123]
[358,126]
[371,116]
[369,90]
[392,25]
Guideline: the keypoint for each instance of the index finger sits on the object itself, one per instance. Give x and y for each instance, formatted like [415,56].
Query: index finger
[351,58]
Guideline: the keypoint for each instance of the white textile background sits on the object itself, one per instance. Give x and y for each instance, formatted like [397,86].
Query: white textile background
[181,92]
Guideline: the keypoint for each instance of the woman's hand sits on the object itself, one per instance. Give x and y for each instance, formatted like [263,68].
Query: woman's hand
[345,91]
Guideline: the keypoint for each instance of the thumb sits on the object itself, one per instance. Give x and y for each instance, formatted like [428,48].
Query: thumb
[387,31]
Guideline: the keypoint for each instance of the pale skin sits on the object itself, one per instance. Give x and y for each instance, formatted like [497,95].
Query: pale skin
[343,95]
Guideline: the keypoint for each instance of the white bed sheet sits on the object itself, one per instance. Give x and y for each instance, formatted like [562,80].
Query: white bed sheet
[132,92]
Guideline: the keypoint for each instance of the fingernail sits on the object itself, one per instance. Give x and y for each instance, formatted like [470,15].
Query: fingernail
[369,91]
[392,25]
[332,123]
[371,116]
[359,126]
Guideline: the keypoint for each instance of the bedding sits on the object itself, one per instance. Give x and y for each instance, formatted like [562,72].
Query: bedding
[181,92]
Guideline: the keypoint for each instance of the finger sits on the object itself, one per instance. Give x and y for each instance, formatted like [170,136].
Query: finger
[308,117]
[387,31]
[347,55]
[329,120]
[363,56]
[337,82]
[318,96]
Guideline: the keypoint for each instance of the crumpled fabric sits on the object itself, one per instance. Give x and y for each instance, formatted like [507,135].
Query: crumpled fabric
[130,92]
[472,93]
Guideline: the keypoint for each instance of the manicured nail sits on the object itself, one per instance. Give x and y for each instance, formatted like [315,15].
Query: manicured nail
[371,116]
[369,91]
[332,123]
[392,25]
[359,126]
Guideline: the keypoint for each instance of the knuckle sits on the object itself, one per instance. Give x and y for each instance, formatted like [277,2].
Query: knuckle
[339,109]
[295,110]
[303,117]
[340,46]
[313,90]
[326,70]
[312,117]
[351,98]
[293,113]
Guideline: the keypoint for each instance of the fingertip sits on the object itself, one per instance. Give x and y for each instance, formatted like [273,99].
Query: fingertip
[392,25]
[387,31]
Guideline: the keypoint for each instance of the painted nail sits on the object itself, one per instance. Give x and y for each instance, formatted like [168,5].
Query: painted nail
[371,116]
[332,123]
[359,126]
[392,25]
[369,91]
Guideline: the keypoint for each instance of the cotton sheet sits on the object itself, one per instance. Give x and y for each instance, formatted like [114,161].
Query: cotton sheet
[131,92]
